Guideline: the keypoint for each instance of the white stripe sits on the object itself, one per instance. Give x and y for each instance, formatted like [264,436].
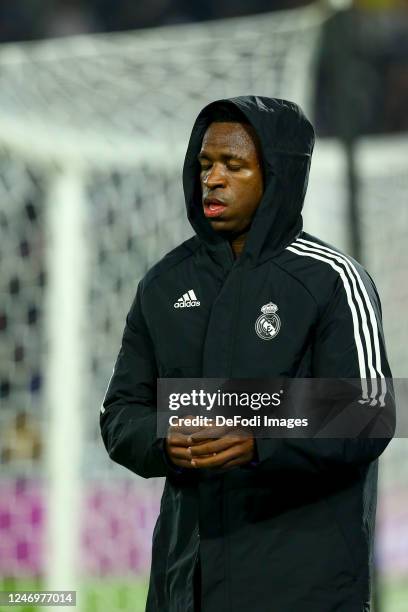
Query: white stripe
[373,319]
[357,339]
[186,297]
[104,397]
[192,294]
[356,297]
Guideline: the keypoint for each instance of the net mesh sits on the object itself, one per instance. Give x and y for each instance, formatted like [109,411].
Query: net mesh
[149,86]
[384,216]
[22,291]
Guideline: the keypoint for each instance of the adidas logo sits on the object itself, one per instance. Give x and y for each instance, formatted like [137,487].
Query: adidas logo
[188,300]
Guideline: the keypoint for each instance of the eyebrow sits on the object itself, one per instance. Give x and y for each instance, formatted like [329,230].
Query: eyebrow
[226,156]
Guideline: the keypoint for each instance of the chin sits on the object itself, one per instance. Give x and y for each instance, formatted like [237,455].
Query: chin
[223,231]
[228,230]
[222,226]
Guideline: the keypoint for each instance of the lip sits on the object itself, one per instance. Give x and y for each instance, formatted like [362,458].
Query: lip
[213,208]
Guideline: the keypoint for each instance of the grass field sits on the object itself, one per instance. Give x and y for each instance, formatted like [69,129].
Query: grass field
[130,596]
[95,596]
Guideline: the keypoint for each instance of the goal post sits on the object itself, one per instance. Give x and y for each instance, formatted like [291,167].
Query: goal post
[66,366]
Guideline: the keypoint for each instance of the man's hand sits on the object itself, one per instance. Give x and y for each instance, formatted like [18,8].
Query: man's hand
[231,447]
[178,442]
[209,447]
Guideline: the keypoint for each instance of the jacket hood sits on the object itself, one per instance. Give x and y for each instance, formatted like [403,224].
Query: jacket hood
[287,139]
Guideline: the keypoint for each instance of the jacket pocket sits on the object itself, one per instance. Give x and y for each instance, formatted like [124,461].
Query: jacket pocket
[342,539]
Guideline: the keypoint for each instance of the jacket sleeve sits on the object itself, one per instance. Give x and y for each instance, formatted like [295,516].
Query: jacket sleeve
[128,413]
[348,344]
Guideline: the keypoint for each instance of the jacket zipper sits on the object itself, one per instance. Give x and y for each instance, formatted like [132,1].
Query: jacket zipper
[235,322]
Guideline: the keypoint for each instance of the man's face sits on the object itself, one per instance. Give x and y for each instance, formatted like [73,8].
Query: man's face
[231,176]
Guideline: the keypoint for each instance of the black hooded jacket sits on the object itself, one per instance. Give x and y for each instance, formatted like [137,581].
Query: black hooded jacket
[293,533]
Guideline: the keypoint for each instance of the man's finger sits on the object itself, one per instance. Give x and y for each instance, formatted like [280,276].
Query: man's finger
[183,464]
[214,446]
[179,452]
[209,432]
[218,431]
[219,459]
[177,439]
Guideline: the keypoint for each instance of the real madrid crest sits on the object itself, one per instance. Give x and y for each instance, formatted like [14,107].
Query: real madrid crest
[268,324]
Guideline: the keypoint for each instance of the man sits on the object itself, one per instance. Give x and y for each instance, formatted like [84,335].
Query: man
[267,525]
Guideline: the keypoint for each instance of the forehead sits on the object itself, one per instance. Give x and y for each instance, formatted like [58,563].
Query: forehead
[234,137]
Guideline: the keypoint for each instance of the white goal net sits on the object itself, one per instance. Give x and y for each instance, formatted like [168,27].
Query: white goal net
[127,96]
[383,176]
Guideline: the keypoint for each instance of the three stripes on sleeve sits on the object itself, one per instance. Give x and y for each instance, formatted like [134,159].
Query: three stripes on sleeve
[365,326]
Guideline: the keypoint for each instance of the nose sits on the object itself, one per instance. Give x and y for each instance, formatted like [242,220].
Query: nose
[214,177]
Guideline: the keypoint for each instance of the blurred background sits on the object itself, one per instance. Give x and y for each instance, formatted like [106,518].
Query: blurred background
[97,99]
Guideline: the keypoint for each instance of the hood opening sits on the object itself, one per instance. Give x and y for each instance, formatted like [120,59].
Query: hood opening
[286,139]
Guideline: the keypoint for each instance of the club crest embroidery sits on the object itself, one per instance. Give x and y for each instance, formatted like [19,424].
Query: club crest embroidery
[268,324]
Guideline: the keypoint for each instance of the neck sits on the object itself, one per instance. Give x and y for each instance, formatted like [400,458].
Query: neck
[237,244]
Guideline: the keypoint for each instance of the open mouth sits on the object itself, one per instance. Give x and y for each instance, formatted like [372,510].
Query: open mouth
[213,208]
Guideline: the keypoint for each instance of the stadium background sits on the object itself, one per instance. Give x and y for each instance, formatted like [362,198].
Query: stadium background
[95,114]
